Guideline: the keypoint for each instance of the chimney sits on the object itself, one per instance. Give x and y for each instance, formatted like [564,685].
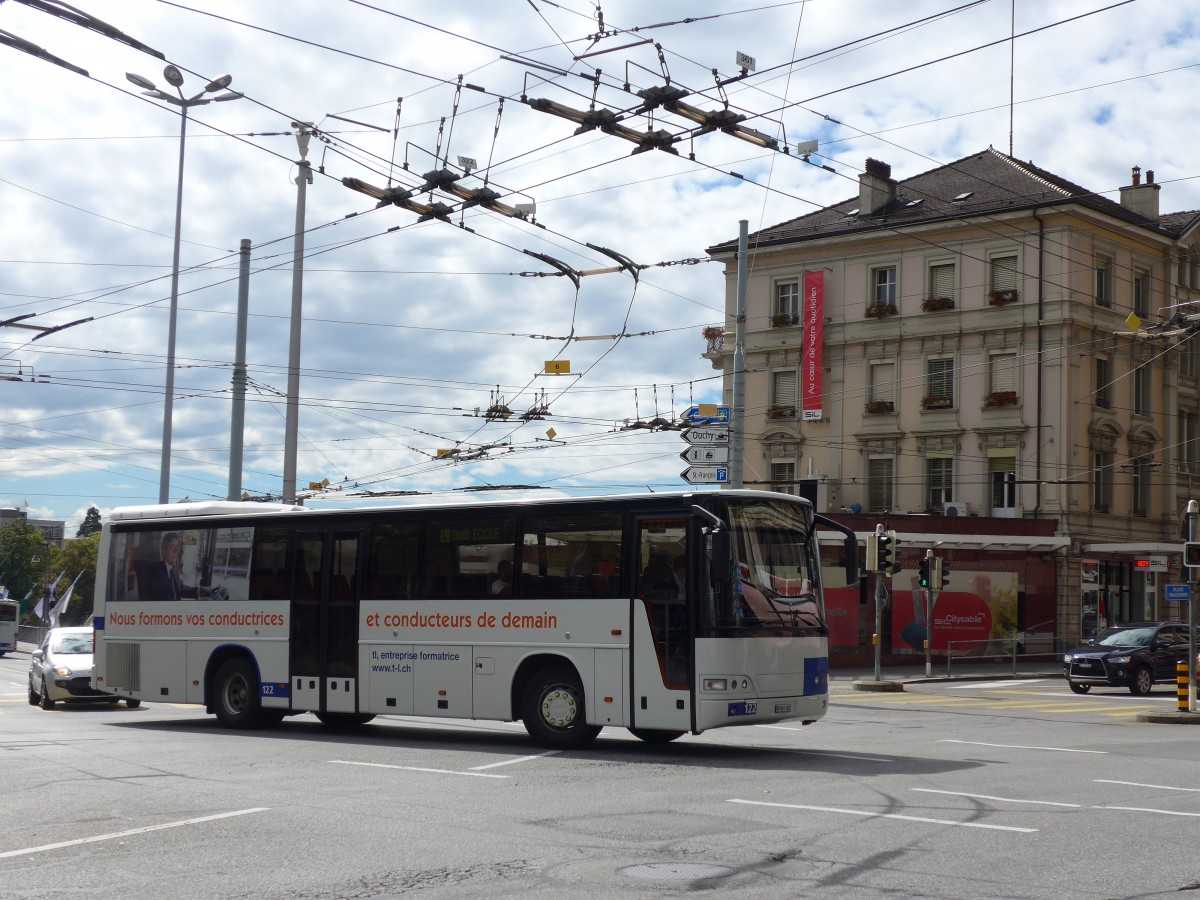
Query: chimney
[876,189]
[1142,198]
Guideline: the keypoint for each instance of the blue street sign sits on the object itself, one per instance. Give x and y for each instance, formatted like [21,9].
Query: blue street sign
[721,418]
[1179,593]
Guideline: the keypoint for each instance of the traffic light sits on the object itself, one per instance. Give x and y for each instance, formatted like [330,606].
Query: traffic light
[872,553]
[1191,554]
[923,568]
[886,553]
[940,569]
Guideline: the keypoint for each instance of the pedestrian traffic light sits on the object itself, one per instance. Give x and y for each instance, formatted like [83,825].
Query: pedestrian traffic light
[940,569]
[1191,554]
[923,568]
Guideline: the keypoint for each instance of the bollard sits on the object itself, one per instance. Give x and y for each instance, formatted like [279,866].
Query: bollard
[1181,686]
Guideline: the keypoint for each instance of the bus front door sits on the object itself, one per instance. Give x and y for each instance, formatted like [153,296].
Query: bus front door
[661,638]
[324,631]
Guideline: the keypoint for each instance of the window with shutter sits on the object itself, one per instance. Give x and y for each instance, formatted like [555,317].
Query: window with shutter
[941,281]
[783,395]
[1103,392]
[1004,273]
[1004,372]
[1104,282]
[939,383]
[879,484]
[1141,292]
[1142,390]
[783,477]
[883,382]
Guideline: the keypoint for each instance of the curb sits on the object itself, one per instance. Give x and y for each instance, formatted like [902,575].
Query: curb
[881,686]
[1170,718]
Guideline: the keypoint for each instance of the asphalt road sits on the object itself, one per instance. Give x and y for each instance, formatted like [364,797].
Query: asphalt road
[981,789]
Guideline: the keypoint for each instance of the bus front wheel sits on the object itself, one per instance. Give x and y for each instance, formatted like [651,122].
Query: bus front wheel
[553,710]
[237,703]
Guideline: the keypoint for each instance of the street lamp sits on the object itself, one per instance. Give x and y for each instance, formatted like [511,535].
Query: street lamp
[175,78]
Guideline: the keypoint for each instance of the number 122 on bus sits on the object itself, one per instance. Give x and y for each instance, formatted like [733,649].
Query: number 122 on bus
[664,614]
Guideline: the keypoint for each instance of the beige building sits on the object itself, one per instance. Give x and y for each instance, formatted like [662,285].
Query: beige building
[977,362]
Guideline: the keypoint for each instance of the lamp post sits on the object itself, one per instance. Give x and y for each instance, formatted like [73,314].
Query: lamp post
[175,78]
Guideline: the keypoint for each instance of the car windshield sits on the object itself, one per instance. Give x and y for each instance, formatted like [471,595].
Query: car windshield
[1126,637]
[72,643]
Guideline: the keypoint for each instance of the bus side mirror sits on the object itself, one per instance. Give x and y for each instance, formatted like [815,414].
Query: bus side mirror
[719,560]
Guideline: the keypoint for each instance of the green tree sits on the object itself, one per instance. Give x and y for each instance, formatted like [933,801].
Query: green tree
[78,560]
[26,560]
[90,523]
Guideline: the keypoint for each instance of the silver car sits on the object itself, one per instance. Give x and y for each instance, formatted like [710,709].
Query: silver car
[61,669]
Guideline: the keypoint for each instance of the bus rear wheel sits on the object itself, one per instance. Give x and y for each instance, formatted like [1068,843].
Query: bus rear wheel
[553,710]
[238,704]
[654,736]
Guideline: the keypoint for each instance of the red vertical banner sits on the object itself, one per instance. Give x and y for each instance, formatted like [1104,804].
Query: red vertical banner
[814,336]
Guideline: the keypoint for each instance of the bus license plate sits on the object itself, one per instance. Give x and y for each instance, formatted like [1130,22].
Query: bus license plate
[744,708]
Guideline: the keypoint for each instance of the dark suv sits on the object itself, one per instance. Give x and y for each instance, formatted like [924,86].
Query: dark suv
[1135,655]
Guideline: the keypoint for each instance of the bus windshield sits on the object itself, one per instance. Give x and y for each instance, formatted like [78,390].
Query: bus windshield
[778,577]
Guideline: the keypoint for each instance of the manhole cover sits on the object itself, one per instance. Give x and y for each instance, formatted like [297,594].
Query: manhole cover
[675,871]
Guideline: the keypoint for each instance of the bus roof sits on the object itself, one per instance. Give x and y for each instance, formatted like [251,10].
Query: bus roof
[431,500]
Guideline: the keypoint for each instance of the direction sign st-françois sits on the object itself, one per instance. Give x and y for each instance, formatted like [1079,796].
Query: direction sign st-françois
[705,475]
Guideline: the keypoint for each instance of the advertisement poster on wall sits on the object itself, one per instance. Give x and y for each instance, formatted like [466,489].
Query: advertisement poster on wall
[975,616]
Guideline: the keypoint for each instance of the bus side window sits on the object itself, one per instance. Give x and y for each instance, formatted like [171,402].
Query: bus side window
[267,558]
[391,563]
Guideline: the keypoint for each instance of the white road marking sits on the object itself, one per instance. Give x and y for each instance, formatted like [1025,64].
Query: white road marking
[995,684]
[1158,787]
[348,762]
[1000,799]
[1022,747]
[874,815]
[1162,812]
[520,759]
[131,832]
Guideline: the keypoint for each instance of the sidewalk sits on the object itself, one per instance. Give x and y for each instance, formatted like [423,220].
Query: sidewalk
[894,679]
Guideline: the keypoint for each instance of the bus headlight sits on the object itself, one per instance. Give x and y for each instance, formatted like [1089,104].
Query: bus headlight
[716,684]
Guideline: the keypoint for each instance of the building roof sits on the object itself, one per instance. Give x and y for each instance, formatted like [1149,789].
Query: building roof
[986,183]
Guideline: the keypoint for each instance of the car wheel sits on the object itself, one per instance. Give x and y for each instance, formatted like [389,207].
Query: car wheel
[236,687]
[1079,688]
[552,708]
[46,702]
[33,695]
[132,703]
[1143,682]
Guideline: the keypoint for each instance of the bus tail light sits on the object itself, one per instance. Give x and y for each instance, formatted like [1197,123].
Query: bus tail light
[716,684]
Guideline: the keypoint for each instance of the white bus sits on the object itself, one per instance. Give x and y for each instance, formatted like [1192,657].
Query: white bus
[661,613]
[9,613]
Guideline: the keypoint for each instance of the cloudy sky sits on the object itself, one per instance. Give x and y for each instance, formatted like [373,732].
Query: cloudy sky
[412,330]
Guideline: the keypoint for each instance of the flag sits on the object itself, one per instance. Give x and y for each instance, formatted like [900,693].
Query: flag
[61,606]
[47,602]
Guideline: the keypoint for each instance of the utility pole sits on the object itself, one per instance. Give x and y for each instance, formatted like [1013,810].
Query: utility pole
[737,434]
[292,426]
[238,420]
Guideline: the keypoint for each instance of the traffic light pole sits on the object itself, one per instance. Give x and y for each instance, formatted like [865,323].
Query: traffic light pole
[1193,513]
[881,597]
